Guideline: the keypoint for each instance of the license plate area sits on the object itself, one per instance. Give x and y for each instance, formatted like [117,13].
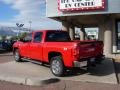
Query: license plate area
[83,63]
[92,60]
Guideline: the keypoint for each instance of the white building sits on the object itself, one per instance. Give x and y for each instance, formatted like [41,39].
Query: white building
[103,14]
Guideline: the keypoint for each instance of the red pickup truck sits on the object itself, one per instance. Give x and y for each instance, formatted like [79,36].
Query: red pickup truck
[57,49]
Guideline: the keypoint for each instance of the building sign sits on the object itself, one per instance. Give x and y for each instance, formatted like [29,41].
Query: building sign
[75,5]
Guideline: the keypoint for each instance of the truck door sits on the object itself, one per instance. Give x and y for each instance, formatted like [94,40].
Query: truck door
[25,46]
[36,46]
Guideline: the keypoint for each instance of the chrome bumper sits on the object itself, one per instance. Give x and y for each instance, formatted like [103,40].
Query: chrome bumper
[79,64]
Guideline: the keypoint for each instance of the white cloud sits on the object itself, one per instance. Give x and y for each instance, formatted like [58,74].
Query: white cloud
[35,25]
[12,24]
[31,10]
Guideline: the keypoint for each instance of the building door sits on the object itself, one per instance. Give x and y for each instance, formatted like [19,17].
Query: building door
[36,46]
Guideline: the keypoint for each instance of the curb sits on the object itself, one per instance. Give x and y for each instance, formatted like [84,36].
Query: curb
[29,81]
[13,79]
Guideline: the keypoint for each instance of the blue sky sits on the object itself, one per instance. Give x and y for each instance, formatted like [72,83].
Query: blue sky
[23,11]
[6,12]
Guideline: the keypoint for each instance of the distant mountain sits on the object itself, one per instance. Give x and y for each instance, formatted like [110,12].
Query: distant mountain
[11,31]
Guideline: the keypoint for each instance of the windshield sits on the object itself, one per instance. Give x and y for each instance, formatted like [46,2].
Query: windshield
[57,36]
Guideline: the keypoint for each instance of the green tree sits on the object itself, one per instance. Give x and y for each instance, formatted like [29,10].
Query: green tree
[3,37]
[14,38]
[22,35]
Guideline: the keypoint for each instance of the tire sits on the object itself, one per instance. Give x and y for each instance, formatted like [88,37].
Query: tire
[17,56]
[99,60]
[57,66]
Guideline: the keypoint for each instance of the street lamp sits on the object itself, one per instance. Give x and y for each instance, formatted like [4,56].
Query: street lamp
[30,22]
[19,26]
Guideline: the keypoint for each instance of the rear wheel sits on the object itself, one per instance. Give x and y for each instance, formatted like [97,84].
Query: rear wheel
[57,66]
[17,56]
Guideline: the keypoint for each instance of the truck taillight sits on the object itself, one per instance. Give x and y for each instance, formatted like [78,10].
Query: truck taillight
[76,51]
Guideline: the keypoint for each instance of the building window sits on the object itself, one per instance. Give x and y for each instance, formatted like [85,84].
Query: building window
[118,34]
[92,33]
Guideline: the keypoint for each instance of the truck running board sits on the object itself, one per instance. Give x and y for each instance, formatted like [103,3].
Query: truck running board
[32,61]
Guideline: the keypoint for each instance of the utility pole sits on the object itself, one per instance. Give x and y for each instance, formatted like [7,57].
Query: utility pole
[30,22]
[19,26]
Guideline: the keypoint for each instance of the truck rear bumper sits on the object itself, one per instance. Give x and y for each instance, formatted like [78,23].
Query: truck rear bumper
[79,64]
[85,62]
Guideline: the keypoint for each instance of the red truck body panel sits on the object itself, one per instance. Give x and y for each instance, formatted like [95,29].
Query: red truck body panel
[71,51]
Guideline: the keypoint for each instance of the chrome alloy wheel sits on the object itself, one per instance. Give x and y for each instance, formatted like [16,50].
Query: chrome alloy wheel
[17,56]
[56,66]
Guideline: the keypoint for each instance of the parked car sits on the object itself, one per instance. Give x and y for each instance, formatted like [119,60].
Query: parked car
[6,44]
[57,49]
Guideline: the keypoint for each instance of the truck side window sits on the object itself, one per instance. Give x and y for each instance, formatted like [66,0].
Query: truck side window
[28,38]
[38,37]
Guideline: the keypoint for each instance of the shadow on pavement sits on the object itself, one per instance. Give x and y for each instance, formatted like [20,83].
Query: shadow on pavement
[117,70]
[117,65]
[104,69]
[2,51]
[49,81]
[75,72]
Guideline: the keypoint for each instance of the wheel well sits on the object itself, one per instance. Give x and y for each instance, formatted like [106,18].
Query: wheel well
[53,54]
[14,50]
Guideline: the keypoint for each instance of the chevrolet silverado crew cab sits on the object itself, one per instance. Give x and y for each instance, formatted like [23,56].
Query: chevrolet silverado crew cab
[55,47]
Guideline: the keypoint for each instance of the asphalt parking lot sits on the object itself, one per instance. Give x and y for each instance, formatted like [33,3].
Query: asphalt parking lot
[5,56]
[31,74]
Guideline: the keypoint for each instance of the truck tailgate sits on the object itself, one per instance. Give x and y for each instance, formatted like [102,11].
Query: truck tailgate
[91,49]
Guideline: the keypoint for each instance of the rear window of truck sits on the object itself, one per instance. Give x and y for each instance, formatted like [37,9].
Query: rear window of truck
[57,36]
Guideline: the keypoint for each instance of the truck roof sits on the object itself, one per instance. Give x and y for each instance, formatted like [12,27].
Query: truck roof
[45,30]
